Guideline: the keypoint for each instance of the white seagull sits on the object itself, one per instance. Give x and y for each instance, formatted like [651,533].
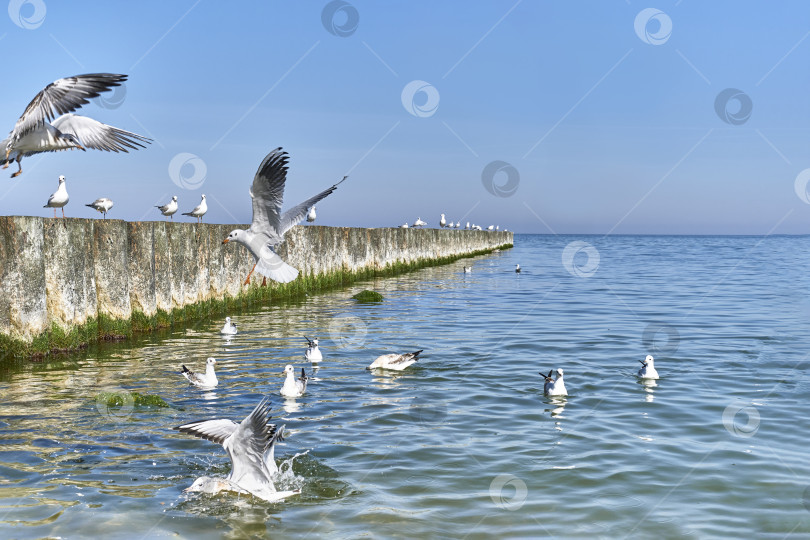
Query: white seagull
[419,222]
[312,216]
[458,224]
[647,370]
[34,133]
[251,447]
[269,225]
[230,327]
[468,269]
[404,226]
[313,353]
[169,208]
[442,221]
[59,198]
[396,362]
[491,228]
[294,387]
[103,205]
[199,210]
[552,387]
[203,380]
[517,268]
[451,225]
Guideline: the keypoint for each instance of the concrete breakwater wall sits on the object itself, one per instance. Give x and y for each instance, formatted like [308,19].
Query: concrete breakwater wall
[64,283]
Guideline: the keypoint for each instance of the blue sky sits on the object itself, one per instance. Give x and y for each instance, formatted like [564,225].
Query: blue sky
[609,123]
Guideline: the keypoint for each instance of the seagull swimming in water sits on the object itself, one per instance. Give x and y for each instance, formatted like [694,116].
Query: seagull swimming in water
[203,380]
[647,370]
[517,268]
[269,225]
[103,205]
[552,387]
[59,198]
[294,387]
[396,362]
[313,353]
[169,208]
[199,210]
[468,269]
[230,327]
[251,447]
[36,130]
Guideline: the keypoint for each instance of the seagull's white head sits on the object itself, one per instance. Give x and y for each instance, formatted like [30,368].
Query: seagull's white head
[315,342]
[227,320]
[559,372]
[174,198]
[649,361]
[211,361]
[236,235]
[61,178]
[288,369]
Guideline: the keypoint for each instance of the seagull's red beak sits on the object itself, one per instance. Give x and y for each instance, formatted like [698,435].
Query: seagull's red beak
[225,241]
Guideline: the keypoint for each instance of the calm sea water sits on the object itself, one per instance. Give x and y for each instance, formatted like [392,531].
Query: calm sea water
[463,444]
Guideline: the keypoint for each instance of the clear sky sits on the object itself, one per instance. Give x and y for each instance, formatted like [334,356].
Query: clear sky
[608,116]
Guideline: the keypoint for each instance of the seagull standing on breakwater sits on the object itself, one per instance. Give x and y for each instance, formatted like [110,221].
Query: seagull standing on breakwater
[230,327]
[34,133]
[313,353]
[552,387]
[293,387]
[199,210]
[269,225]
[203,380]
[442,222]
[59,198]
[396,362]
[419,222]
[647,370]
[312,215]
[169,208]
[103,205]
[251,448]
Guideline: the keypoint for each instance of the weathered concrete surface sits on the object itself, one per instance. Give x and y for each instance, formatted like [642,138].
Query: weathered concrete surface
[62,273]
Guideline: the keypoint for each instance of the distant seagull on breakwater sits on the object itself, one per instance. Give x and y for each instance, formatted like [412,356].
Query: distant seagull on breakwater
[250,446]
[269,225]
[169,208]
[419,222]
[203,380]
[404,226]
[229,329]
[647,370]
[199,210]
[34,133]
[396,362]
[312,215]
[59,198]
[103,205]
[442,221]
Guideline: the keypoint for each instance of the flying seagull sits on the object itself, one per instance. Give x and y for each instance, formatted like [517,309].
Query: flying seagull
[269,225]
[103,205]
[36,130]
[251,447]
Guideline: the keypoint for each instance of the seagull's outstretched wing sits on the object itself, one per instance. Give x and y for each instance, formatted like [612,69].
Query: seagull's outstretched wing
[296,214]
[63,96]
[268,193]
[93,134]
[211,430]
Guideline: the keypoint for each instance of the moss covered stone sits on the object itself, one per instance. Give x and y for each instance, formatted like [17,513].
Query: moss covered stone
[368,296]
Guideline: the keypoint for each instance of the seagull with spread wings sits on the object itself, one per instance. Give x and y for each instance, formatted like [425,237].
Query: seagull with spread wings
[250,445]
[36,130]
[269,225]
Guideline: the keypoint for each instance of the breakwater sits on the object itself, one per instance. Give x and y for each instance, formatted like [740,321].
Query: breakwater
[67,282]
